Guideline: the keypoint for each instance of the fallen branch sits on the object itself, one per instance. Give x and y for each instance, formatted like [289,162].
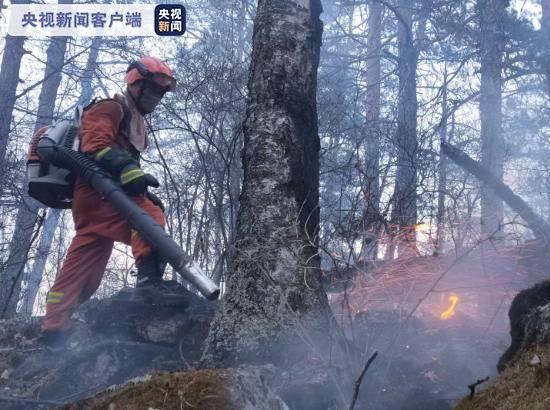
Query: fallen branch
[183,359]
[473,386]
[360,380]
[538,225]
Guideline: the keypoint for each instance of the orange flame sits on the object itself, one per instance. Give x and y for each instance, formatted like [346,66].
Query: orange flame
[451,311]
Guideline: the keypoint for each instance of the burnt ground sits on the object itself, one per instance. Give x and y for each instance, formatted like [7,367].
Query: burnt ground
[424,362]
[114,340]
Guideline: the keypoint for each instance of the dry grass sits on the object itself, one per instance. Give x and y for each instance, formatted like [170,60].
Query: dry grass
[519,387]
[204,389]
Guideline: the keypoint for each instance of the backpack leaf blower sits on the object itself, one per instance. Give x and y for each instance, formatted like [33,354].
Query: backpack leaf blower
[60,154]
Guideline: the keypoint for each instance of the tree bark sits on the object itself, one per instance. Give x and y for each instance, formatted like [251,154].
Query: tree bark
[372,155]
[11,277]
[538,225]
[89,72]
[404,214]
[275,286]
[9,79]
[492,14]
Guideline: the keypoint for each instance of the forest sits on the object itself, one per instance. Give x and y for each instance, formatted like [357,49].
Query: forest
[365,183]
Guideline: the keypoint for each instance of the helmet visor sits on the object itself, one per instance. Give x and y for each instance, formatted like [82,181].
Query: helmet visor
[164,81]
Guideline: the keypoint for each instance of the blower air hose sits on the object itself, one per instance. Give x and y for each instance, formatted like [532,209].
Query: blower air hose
[152,233]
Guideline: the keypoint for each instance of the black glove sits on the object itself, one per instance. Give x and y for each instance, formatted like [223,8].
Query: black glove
[114,160]
[123,166]
[135,181]
[155,200]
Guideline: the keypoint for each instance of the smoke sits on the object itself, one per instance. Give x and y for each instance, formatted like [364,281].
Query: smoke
[438,323]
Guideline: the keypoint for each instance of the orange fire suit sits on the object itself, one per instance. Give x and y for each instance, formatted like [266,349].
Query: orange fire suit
[98,225]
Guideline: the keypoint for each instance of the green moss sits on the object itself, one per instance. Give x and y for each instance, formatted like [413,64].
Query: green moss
[204,389]
[519,387]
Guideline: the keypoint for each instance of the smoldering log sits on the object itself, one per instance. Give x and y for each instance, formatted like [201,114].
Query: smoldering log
[538,225]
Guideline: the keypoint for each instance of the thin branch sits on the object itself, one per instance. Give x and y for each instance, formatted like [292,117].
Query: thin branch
[360,380]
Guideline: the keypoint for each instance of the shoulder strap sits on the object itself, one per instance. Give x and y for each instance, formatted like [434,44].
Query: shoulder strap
[125,123]
[78,115]
[94,100]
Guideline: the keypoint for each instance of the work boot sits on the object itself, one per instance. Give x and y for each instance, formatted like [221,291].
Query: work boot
[152,289]
[54,341]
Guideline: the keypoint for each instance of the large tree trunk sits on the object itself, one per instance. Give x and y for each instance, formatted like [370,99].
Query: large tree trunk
[404,213]
[492,13]
[9,78]
[372,155]
[10,278]
[274,288]
[538,225]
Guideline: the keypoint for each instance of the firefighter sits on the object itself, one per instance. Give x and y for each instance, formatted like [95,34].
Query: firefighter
[113,133]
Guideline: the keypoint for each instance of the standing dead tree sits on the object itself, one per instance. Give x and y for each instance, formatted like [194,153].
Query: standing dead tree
[275,286]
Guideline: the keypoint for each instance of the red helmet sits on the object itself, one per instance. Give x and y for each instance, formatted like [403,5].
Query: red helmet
[153,69]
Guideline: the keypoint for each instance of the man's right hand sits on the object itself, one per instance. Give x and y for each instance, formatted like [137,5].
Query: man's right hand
[135,181]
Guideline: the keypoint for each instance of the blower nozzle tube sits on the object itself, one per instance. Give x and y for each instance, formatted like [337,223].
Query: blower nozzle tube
[140,220]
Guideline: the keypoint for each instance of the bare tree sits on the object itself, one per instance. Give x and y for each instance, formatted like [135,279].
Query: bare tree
[491,20]
[404,214]
[442,169]
[42,252]
[9,79]
[372,131]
